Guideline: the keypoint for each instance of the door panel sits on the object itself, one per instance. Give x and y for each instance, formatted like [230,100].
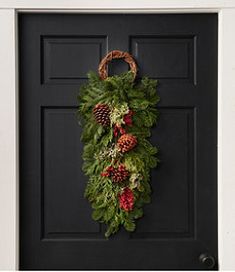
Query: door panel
[56,52]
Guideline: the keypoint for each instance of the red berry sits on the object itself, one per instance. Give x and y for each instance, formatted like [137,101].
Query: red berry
[126,200]
[115,131]
[128,118]
[122,130]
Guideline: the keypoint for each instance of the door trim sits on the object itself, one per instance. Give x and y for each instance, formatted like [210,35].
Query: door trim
[9,134]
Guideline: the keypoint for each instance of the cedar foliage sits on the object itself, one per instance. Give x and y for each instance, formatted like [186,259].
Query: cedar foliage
[102,193]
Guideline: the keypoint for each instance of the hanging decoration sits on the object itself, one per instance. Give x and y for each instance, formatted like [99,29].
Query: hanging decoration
[116,115]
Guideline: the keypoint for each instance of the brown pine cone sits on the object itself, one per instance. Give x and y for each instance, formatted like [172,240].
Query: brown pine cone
[102,114]
[126,142]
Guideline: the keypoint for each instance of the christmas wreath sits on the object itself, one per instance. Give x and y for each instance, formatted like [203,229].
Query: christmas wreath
[116,115]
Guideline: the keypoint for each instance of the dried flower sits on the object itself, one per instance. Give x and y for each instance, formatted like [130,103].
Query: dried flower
[117,114]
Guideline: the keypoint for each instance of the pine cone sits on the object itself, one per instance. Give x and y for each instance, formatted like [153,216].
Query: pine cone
[119,174]
[102,114]
[126,142]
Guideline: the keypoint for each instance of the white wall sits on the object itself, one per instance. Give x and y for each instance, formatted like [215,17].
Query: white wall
[226,133]
[8,111]
[120,4]
[8,166]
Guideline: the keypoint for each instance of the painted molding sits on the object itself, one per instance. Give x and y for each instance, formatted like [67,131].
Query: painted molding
[121,4]
[8,143]
[226,140]
[9,109]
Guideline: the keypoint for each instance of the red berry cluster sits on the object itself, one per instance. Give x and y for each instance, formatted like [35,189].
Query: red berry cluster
[118,129]
[126,199]
[128,122]
[128,118]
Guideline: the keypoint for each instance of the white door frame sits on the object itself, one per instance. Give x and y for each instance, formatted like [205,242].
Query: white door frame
[9,159]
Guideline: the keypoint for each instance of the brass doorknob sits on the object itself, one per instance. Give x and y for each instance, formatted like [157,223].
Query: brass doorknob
[207,260]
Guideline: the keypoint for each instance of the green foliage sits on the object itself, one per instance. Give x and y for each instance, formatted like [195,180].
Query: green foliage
[102,193]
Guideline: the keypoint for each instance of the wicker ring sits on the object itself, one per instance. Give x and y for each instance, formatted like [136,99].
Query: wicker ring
[116,54]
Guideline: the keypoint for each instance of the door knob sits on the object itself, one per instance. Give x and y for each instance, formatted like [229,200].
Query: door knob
[207,260]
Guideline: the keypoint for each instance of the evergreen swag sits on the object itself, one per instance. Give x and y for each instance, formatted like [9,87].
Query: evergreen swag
[116,116]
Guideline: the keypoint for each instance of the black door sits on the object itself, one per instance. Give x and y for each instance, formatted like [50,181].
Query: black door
[56,52]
